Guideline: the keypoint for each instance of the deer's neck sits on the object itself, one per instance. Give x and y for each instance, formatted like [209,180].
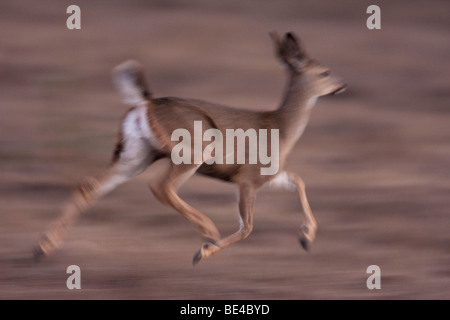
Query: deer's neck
[295,108]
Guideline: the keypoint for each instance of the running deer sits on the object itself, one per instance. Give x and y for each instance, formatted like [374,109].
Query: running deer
[145,138]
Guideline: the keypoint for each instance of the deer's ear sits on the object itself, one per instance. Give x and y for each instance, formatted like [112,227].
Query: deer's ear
[292,47]
[289,50]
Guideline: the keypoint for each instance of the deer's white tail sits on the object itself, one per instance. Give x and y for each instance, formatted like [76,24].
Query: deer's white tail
[129,79]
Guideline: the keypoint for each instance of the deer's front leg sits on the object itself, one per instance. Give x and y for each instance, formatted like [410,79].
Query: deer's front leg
[291,181]
[308,230]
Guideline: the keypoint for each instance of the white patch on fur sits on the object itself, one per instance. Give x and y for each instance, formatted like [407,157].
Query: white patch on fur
[139,141]
[311,103]
[241,222]
[282,181]
[136,126]
[142,109]
[130,94]
[301,128]
[123,77]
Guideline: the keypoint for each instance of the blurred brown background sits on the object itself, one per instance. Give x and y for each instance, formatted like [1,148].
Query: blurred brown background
[375,159]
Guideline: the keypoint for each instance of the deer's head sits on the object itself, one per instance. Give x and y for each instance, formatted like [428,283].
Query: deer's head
[316,78]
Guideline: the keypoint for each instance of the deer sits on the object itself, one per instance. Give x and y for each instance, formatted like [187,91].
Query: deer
[145,139]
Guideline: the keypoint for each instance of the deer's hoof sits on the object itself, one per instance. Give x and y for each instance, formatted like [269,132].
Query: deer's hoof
[202,253]
[205,251]
[38,253]
[306,237]
[305,243]
[197,257]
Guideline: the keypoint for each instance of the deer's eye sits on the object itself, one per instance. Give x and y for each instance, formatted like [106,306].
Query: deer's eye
[324,74]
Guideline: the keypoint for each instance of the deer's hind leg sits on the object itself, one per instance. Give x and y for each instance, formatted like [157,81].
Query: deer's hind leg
[132,156]
[165,185]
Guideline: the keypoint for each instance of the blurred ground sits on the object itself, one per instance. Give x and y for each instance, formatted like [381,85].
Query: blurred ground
[375,159]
